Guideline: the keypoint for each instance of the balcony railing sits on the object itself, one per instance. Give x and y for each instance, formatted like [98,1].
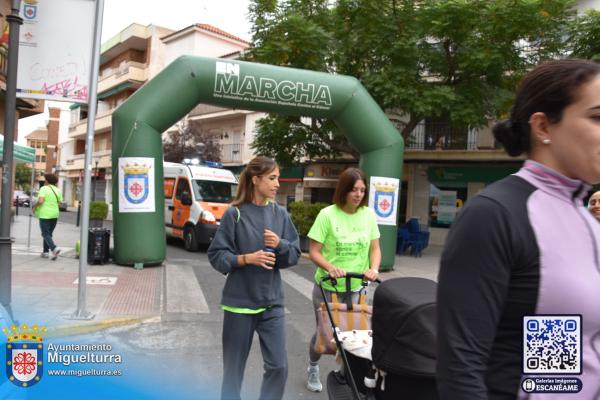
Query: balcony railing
[231,153]
[442,136]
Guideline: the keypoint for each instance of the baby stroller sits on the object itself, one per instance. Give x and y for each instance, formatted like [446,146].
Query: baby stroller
[403,360]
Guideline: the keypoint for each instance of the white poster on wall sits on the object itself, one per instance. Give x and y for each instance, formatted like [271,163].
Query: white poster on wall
[55,49]
[136,184]
[383,199]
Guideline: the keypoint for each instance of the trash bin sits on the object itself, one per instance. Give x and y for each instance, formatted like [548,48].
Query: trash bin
[98,246]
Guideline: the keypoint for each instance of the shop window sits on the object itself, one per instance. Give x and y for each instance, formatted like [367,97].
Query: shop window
[444,204]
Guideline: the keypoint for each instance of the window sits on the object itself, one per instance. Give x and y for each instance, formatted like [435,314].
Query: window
[217,192]
[182,187]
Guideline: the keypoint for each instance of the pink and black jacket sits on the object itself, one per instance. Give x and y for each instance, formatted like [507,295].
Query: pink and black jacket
[525,245]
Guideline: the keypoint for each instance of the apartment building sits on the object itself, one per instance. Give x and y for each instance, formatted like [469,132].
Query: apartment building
[38,139]
[128,60]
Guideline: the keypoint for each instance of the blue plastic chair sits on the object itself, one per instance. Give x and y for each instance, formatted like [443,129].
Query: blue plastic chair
[403,242]
[418,242]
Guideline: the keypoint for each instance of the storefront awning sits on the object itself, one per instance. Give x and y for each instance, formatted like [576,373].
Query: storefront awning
[20,153]
[486,174]
[291,174]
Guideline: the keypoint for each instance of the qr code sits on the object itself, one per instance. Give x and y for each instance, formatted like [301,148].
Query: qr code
[552,344]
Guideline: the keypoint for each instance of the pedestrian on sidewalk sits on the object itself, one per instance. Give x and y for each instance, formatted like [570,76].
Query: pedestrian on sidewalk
[526,246]
[255,240]
[46,209]
[344,238]
[594,205]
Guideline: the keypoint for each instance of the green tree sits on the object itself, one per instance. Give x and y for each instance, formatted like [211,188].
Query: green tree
[23,177]
[585,36]
[455,60]
[184,143]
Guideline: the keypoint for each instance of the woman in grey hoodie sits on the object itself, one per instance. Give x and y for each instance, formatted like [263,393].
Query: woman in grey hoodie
[255,240]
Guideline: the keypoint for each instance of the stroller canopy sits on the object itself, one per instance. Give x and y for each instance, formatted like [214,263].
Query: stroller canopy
[404,326]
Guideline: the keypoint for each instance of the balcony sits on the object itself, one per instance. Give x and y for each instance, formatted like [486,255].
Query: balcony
[442,141]
[103,123]
[130,71]
[76,161]
[231,153]
[442,136]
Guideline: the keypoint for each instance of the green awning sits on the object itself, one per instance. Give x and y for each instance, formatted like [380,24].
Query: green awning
[486,174]
[20,153]
[291,174]
[114,90]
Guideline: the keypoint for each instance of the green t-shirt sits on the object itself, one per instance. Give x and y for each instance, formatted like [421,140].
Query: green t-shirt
[346,239]
[49,209]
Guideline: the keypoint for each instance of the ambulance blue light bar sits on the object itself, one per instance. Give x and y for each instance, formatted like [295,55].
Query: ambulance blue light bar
[213,164]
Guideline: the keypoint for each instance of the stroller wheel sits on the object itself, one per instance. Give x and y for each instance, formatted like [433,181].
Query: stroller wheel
[338,388]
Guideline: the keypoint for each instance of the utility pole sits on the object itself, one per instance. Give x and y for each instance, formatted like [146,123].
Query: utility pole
[10,108]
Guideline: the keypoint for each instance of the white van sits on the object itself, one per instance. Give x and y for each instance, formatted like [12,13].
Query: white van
[195,199]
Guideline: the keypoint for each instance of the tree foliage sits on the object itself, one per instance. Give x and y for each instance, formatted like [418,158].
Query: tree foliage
[23,177]
[585,36]
[184,143]
[457,60]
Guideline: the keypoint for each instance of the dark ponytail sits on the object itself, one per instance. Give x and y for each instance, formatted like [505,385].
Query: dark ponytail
[514,139]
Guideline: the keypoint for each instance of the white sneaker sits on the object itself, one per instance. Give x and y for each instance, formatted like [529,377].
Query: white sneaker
[45,255]
[314,382]
[55,253]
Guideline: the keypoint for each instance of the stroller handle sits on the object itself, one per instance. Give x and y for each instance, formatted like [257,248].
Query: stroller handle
[350,275]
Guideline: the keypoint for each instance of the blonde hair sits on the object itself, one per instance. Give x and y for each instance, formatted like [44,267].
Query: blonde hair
[258,166]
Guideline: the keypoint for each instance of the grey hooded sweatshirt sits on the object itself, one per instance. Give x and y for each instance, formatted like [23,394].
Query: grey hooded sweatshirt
[251,286]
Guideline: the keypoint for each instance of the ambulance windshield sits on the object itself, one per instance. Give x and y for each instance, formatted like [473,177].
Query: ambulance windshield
[214,191]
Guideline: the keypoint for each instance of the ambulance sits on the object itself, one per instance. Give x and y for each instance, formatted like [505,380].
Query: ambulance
[196,196]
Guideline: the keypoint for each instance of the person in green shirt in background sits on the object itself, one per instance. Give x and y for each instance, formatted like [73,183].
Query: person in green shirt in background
[344,238]
[46,209]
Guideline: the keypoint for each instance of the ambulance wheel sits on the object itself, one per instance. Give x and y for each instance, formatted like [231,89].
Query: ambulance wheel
[190,242]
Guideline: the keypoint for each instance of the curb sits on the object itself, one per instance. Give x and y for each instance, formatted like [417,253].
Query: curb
[80,329]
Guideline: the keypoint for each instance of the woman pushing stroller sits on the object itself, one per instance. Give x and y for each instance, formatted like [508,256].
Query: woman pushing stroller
[344,238]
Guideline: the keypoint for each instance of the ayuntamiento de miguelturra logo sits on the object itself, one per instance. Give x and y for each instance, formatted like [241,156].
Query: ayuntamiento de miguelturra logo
[24,354]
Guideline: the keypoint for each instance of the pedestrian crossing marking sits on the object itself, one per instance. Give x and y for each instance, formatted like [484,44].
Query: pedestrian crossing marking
[184,294]
[298,282]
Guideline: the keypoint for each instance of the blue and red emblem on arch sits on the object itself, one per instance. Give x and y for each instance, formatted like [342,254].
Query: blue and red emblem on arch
[136,188]
[384,203]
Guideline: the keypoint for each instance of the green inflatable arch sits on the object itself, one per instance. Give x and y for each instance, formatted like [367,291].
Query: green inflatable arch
[139,233]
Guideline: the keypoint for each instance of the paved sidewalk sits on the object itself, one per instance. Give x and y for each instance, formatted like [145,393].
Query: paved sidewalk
[45,292]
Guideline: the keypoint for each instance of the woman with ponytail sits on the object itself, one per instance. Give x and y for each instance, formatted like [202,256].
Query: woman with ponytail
[255,240]
[527,246]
